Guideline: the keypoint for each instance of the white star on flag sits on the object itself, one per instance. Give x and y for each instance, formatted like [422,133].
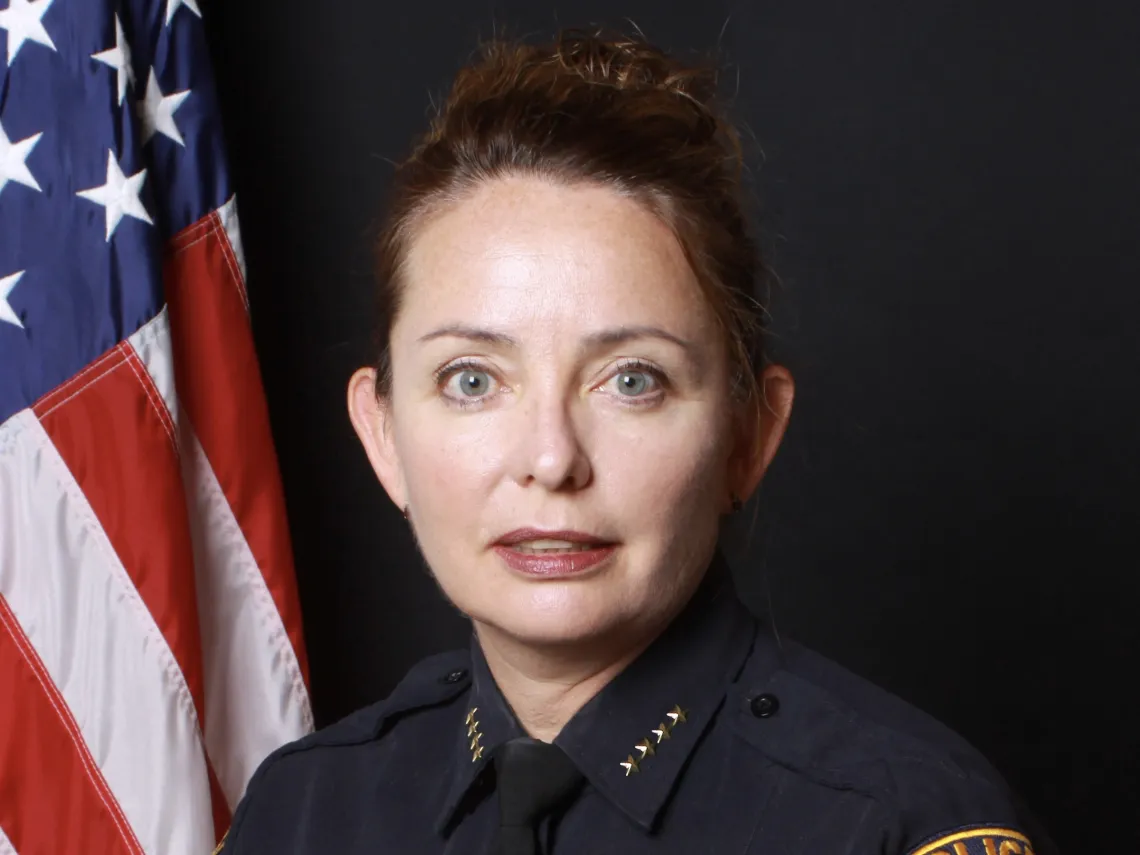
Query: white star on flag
[23,19]
[119,195]
[156,111]
[13,160]
[172,7]
[119,58]
[7,313]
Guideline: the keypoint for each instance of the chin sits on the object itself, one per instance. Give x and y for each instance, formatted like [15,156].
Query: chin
[533,621]
[581,610]
[564,630]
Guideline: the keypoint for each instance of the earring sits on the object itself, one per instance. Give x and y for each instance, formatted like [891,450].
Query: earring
[736,503]
[405,511]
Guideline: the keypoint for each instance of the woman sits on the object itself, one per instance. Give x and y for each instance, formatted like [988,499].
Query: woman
[568,397]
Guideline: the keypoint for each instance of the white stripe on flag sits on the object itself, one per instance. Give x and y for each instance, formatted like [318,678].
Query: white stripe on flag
[251,707]
[152,344]
[228,215]
[6,847]
[101,647]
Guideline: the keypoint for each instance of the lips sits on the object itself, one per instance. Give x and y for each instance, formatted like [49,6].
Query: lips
[585,552]
[578,538]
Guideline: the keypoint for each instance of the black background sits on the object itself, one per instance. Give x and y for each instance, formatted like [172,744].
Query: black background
[950,199]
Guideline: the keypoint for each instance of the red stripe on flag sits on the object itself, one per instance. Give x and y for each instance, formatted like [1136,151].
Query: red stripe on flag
[218,382]
[114,432]
[53,797]
[221,808]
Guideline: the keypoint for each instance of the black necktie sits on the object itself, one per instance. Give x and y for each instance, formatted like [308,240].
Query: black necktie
[533,777]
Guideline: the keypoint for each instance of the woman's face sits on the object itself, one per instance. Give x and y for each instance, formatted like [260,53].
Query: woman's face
[556,369]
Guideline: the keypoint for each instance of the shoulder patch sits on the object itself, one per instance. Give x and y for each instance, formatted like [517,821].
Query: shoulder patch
[979,840]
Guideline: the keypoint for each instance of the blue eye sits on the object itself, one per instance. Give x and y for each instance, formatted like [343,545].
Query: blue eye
[465,383]
[638,380]
[633,382]
[472,382]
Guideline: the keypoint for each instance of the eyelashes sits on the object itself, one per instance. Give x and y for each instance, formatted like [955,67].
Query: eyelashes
[638,366]
[446,372]
[443,377]
[659,382]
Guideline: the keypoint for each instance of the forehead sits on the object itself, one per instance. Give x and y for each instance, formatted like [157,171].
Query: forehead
[524,251]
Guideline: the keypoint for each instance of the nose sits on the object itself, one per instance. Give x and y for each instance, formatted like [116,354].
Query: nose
[550,451]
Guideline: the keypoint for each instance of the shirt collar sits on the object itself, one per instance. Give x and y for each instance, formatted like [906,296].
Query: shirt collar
[633,739]
[488,722]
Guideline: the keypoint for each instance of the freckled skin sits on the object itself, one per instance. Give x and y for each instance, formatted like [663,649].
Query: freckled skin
[550,440]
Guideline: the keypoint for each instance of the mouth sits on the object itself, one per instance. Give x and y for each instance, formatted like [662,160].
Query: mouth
[550,547]
[553,554]
[536,538]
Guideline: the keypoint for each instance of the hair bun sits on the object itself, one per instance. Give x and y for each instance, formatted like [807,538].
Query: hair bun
[628,64]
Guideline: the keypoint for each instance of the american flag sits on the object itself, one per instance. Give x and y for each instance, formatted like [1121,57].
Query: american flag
[150,640]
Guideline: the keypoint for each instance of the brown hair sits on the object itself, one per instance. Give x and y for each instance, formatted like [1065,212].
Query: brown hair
[613,111]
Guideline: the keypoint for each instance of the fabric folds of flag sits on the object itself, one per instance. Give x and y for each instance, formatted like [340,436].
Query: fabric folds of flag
[150,636]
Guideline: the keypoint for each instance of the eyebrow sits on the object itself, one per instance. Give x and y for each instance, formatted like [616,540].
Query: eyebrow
[594,341]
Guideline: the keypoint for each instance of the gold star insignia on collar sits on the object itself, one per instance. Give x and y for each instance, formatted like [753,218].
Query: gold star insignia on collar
[660,733]
[474,734]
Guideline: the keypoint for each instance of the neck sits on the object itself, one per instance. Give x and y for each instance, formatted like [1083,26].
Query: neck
[546,686]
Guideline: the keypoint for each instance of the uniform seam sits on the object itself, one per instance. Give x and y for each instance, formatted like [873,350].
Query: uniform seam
[897,801]
[902,744]
[891,747]
[898,745]
[913,748]
[816,774]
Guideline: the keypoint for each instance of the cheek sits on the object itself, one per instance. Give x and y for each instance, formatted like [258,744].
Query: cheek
[665,471]
[447,459]
[449,470]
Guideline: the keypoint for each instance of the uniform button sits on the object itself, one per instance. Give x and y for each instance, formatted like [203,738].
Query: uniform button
[454,676]
[764,706]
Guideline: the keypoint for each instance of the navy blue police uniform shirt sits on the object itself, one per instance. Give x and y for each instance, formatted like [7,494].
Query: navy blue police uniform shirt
[718,739]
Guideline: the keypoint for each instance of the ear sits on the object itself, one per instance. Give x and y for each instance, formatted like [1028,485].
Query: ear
[371,417]
[762,431]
